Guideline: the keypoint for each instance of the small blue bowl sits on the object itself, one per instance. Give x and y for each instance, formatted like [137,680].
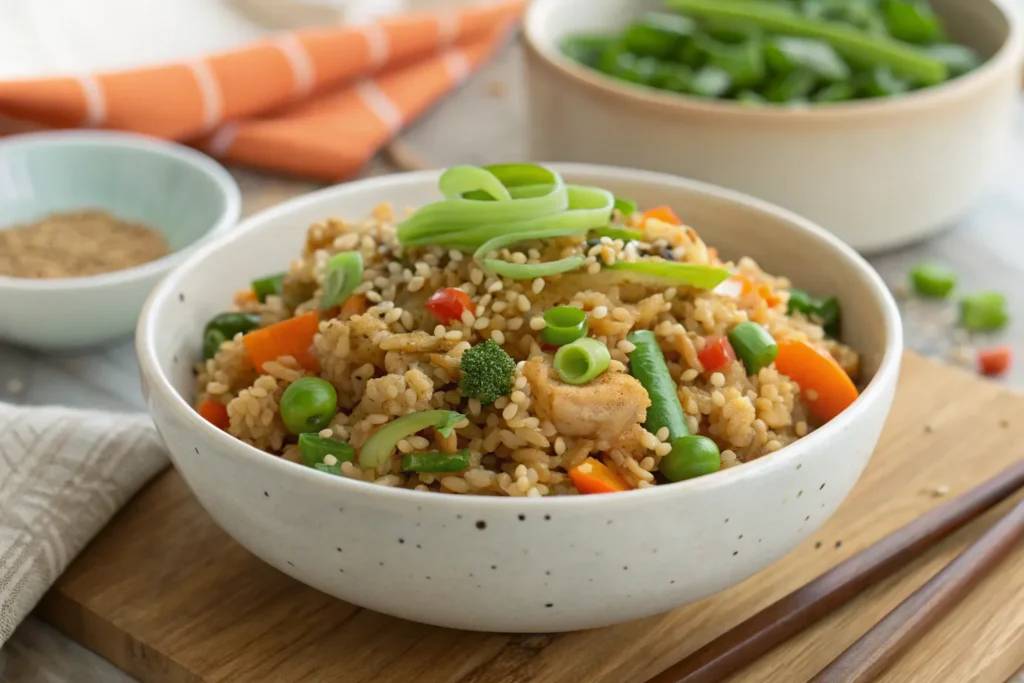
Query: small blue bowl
[186,195]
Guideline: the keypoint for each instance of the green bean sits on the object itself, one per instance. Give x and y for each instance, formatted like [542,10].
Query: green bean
[435,462]
[223,327]
[785,55]
[792,86]
[647,365]
[959,59]
[754,346]
[658,34]
[582,361]
[877,50]
[743,62]
[912,20]
[835,92]
[710,81]
[271,285]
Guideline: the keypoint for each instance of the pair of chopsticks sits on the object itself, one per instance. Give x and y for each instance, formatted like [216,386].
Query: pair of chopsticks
[879,647]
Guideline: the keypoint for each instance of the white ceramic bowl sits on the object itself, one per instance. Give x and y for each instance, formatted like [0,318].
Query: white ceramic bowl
[177,190]
[877,173]
[534,565]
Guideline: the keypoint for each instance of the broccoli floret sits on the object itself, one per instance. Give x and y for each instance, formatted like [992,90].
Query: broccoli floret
[486,372]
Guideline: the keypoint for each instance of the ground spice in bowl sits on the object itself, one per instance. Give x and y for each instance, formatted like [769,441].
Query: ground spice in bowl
[77,244]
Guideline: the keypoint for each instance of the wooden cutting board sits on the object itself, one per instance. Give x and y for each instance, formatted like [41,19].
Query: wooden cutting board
[163,593]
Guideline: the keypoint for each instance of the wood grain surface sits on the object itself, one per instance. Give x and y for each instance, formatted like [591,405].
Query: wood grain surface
[167,596]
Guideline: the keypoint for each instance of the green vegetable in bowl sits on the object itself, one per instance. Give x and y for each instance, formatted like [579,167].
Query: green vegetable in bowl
[825,311]
[564,325]
[435,462]
[381,444]
[780,52]
[308,405]
[754,346]
[647,365]
[690,457]
[486,372]
[314,449]
[223,327]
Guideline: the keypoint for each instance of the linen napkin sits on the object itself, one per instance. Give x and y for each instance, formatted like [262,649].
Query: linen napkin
[63,475]
[317,103]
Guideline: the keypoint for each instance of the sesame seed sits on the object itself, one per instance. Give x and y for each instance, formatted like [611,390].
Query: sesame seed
[468,318]
[453,335]
[510,411]
[481,323]
[476,276]
[495,286]
[717,379]
[811,395]
[662,434]
[498,336]
[439,331]
[599,312]
[626,346]
[330,460]
[326,433]
[522,303]
[455,255]
[663,449]
[538,323]
[538,285]
[416,283]
[619,313]
[594,268]
[515,323]
[373,296]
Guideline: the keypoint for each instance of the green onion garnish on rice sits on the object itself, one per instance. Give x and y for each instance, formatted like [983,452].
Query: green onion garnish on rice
[381,444]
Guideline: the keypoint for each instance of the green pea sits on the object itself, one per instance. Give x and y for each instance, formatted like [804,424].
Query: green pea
[308,405]
[690,457]
[224,327]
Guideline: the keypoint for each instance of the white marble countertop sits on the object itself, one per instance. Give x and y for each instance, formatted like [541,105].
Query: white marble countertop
[484,123]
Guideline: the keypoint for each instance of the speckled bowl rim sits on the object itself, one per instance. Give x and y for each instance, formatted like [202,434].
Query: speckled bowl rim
[541,48]
[244,455]
[199,163]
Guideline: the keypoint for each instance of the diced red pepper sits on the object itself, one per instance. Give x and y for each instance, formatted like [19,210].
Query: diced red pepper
[717,353]
[215,413]
[448,304]
[995,361]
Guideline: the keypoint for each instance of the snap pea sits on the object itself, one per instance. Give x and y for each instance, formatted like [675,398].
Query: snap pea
[435,462]
[647,365]
[657,34]
[785,55]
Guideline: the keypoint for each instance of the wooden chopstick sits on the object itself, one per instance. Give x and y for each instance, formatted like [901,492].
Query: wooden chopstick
[781,620]
[878,648]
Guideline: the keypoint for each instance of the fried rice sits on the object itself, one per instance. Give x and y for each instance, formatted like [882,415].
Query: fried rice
[387,356]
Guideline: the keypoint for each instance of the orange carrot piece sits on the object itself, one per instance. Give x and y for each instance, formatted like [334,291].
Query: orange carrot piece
[593,476]
[740,285]
[818,372]
[291,337]
[245,296]
[665,214]
[354,305]
[215,413]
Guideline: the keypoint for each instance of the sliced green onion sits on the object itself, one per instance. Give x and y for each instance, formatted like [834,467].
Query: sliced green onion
[565,324]
[344,273]
[624,234]
[754,346]
[529,271]
[626,207]
[314,449]
[435,462]
[984,312]
[271,285]
[582,361]
[382,442]
[933,279]
[671,272]
[459,180]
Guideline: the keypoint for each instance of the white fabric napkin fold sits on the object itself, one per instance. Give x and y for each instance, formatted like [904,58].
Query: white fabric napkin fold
[63,475]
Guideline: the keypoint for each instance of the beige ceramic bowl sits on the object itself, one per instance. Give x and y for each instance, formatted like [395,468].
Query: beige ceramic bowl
[878,174]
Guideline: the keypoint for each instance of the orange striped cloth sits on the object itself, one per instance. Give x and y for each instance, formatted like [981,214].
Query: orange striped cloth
[317,103]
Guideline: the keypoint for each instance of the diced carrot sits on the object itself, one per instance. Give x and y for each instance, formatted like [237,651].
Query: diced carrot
[995,361]
[665,214]
[740,285]
[245,296]
[354,305]
[292,337]
[826,387]
[593,476]
[215,413]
